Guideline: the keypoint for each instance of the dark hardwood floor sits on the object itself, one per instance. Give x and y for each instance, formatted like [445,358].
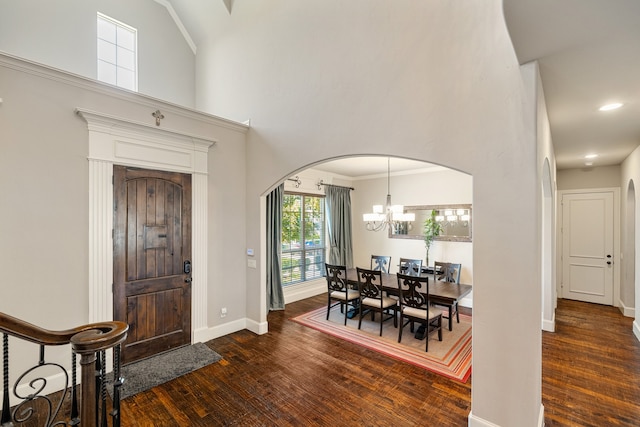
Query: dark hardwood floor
[296,376]
[590,368]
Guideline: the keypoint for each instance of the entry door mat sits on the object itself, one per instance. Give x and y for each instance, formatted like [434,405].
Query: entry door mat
[145,374]
[450,357]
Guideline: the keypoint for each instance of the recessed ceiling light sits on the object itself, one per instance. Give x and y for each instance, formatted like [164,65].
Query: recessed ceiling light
[610,107]
[588,163]
[590,156]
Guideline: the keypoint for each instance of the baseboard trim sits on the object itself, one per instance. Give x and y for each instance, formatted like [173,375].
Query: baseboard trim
[304,290]
[479,422]
[549,325]
[636,329]
[207,334]
[259,328]
[626,311]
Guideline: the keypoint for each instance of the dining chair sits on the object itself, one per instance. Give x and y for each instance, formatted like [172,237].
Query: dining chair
[338,292]
[373,299]
[410,266]
[381,262]
[415,307]
[448,272]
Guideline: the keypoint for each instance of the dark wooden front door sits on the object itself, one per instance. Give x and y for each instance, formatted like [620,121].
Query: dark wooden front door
[152,259]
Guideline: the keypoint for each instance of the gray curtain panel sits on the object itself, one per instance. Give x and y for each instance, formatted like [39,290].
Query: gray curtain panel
[338,211]
[275,295]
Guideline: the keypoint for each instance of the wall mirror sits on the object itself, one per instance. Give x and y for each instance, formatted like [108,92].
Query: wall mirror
[454,219]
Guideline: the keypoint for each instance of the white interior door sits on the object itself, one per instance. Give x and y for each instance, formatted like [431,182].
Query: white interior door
[587,247]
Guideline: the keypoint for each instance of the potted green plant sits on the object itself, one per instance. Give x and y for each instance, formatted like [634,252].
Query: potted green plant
[430,231]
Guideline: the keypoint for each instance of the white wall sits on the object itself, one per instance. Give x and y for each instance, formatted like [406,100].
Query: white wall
[44,182]
[426,188]
[325,79]
[539,132]
[630,173]
[592,177]
[435,81]
[62,34]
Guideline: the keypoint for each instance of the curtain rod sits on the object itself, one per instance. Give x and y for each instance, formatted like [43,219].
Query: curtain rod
[321,183]
[295,179]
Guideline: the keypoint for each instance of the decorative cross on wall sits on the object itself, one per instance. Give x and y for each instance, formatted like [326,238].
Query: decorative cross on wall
[158,115]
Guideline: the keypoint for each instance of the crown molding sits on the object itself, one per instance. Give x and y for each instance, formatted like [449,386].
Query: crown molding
[64,77]
[111,124]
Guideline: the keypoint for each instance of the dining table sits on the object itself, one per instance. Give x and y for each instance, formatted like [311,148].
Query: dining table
[445,293]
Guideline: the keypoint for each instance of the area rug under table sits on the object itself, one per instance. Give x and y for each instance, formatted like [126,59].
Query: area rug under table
[450,357]
[145,374]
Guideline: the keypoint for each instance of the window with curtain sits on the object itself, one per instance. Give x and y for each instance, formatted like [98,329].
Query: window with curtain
[303,238]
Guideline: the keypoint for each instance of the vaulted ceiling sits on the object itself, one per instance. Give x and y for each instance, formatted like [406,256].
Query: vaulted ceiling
[589,55]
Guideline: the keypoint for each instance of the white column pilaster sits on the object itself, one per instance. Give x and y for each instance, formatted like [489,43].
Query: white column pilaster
[199,243]
[100,241]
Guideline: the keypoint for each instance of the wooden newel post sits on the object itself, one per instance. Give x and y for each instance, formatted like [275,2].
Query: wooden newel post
[97,337]
[88,388]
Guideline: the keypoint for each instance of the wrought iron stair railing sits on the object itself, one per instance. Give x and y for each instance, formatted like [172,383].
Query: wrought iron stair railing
[88,406]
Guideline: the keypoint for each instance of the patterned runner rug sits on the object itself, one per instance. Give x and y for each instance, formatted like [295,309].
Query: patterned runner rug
[450,357]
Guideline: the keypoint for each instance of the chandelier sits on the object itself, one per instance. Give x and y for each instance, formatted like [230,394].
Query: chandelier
[387,216]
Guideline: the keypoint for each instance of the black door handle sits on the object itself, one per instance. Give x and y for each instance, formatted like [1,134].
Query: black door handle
[188,280]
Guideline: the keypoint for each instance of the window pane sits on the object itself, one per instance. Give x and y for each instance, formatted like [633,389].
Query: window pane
[126,79]
[106,72]
[126,59]
[106,51]
[117,46]
[314,264]
[126,38]
[291,226]
[106,30]
[303,246]
[291,272]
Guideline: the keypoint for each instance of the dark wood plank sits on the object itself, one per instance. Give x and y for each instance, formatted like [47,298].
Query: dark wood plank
[590,368]
[295,376]
[151,251]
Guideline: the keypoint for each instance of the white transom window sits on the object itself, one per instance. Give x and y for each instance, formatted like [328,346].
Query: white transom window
[117,53]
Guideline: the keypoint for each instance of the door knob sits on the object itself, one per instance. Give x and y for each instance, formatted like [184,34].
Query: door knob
[187,280]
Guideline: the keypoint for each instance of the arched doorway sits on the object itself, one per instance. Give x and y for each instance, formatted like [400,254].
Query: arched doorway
[411,183]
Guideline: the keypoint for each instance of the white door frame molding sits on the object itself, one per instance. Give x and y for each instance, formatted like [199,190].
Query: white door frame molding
[114,140]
